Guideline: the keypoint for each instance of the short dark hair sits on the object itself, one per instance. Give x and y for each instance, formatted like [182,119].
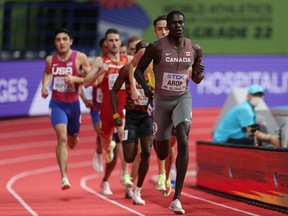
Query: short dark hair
[171,14]
[162,17]
[141,44]
[111,31]
[134,38]
[101,42]
[62,30]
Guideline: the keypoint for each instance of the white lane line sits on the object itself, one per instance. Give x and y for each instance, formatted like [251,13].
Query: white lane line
[35,120]
[29,121]
[51,155]
[19,146]
[43,156]
[85,187]
[37,132]
[208,118]
[9,185]
[27,133]
[217,204]
[191,173]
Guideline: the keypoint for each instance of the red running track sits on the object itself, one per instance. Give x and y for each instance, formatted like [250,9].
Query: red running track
[30,177]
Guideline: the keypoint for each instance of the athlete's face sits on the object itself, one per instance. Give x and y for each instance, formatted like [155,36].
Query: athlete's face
[62,42]
[161,29]
[132,47]
[176,25]
[123,50]
[113,42]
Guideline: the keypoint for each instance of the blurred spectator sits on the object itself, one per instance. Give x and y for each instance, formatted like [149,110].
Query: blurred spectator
[131,44]
[123,49]
[239,125]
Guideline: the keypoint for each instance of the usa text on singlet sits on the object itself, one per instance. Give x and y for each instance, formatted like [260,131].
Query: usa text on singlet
[60,90]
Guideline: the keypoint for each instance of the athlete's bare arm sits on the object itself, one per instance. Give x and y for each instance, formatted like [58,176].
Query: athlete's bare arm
[95,76]
[152,52]
[135,95]
[47,77]
[130,58]
[83,67]
[197,67]
[85,100]
[123,74]
[84,64]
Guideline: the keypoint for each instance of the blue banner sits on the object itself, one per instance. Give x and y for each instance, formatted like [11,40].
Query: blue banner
[20,83]
[222,73]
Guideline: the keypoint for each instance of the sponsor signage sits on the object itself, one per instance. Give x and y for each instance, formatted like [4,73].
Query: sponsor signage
[228,27]
[250,172]
[20,83]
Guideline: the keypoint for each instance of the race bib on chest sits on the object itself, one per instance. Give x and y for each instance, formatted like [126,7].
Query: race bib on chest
[60,86]
[111,80]
[174,82]
[143,99]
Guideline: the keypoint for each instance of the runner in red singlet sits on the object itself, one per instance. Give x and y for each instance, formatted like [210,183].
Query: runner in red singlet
[105,71]
[92,97]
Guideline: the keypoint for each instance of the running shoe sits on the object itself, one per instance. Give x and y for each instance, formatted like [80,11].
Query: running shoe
[109,155]
[97,162]
[176,207]
[168,190]
[161,182]
[129,193]
[106,188]
[137,200]
[127,181]
[65,184]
